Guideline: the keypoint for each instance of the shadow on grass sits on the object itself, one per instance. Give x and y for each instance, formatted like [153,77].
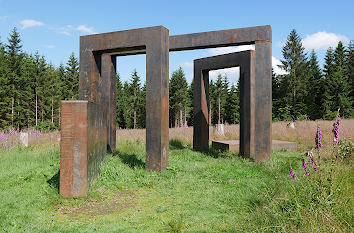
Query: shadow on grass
[130,159]
[225,154]
[176,144]
[54,181]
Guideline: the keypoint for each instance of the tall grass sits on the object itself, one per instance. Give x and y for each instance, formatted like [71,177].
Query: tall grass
[303,134]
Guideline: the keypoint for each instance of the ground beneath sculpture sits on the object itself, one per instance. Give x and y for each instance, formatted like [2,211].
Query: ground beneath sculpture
[122,200]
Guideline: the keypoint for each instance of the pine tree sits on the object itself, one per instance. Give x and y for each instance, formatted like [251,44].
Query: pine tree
[190,118]
[40,88]
[213,103]
[55,94]
[295,63]
[314,100]
[220,101]
[232,109]
[5,88]
[128,110]
[337,88]
[72,77]
[349,63]
[121,101]
[134,97]
[141,116]
[27,94]
[14,56]
[179,98]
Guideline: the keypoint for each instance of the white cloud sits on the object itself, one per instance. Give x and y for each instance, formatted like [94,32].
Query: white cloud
[233,74]
[187,64]
[275,63]
[323,40]
[26,23]
[85,29]
[225,50]
[64,32]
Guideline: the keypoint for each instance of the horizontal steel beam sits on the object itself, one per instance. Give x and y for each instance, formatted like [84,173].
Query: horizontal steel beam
[201,40]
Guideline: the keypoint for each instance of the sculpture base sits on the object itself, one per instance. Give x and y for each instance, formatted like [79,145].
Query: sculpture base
[234,145]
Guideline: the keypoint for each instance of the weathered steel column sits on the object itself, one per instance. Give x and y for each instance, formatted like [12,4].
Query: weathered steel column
[108,90]
[157,107]
[247,105]
[263,100]
[82,146]
[201,108]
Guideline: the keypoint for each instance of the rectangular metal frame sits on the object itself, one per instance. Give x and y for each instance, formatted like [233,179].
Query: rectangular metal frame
[97,78]
[202,66]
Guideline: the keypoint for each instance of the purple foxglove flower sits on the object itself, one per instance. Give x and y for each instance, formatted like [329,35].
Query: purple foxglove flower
[305,168]
[318,138]
[292,174]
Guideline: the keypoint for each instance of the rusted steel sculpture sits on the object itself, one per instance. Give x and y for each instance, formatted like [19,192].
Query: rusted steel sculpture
[82,146]
[244,60]
[98,81]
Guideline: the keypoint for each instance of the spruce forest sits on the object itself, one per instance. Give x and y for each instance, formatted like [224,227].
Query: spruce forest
[31,89]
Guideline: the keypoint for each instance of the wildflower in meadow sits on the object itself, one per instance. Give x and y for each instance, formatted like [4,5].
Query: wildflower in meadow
[305,167]
[318,138]
[292,174]
[335,129]
[313,162]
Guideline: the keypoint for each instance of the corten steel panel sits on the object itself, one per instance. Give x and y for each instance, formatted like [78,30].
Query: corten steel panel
[212,39]
[94,67]
[82,145]
[96,138]
[202,66]
[108,90]
[263,100]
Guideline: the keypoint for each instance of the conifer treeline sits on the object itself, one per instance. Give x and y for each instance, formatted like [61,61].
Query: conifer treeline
[31,89]
[307,91]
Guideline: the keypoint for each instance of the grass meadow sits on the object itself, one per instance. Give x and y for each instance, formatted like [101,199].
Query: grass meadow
[199,192]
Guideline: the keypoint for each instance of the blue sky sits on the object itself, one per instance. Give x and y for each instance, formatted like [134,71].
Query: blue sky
[53,27]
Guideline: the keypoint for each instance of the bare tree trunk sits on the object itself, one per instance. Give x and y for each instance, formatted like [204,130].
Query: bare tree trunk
[219,110]
[12,111]
[52,111]
[180,117]
[134,118]
[176,120]
[185,115]
[36,109]
[211,106]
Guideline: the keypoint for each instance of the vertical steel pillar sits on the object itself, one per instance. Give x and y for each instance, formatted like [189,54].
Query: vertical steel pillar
[263,100]
[201,108]
[157,107]
[108,91]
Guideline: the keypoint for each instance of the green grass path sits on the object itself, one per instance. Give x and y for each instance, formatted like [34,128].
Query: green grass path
[214,192]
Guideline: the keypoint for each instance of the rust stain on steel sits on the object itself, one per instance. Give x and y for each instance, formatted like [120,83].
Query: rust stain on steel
[82,146]
[156,42]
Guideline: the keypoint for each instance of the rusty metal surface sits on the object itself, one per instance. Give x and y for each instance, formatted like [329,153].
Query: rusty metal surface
[263,100]
[97,71]
[212,39]
[108,89]
[245,60]
[82,145]
[97,77]
[96,138]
